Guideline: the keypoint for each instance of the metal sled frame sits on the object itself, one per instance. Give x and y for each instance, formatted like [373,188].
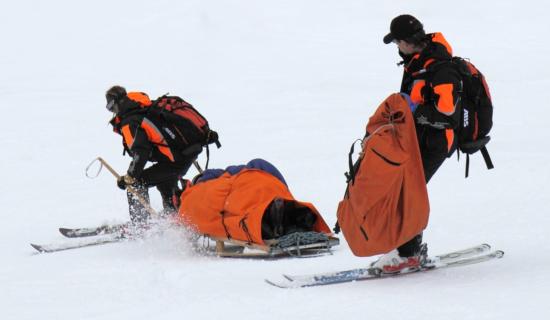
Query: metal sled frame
[236,248]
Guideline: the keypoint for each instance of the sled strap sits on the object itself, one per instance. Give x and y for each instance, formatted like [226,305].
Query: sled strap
[224,226]
[243,226]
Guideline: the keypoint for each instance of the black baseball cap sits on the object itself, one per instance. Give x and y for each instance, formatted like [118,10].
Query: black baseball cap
[405,27]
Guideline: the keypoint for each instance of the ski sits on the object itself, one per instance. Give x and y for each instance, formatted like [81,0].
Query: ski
[454,255]
[465,253]
[449,260]
[94,231]
[85,237]
[86,242]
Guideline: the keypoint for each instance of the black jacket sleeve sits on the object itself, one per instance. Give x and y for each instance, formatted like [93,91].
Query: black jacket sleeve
[441,109]
[140,150]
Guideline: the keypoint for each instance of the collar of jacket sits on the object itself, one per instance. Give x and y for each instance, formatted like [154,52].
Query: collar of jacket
[122,118]
[438,49]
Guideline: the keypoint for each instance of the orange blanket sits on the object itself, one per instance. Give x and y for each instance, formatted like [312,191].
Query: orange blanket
[232,206]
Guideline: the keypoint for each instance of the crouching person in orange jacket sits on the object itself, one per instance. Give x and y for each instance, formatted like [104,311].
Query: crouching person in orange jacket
[249,203]
[147,138]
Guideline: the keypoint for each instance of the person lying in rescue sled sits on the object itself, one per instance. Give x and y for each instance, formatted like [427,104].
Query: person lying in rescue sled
[433,98]
[250,203]
[152,135]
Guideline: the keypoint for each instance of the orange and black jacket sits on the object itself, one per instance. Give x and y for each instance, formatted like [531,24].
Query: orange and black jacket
[150,136]
[435,87]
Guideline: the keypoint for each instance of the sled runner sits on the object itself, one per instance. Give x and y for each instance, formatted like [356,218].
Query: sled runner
[313,245]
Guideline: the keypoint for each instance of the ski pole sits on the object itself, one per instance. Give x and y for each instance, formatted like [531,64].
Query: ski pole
[130,189]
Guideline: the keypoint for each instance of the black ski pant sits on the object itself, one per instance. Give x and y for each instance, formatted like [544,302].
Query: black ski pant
[431,162]
[163,176]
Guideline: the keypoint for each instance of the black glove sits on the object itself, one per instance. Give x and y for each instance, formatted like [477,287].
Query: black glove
[124,181]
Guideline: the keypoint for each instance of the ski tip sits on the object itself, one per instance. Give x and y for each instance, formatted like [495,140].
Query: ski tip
[65,231]
[38,248]
[274,284]
[499,253]
[486,246]
[280,285]
[71,233]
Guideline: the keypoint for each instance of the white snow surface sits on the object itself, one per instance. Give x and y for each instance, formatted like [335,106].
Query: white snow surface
[290,81]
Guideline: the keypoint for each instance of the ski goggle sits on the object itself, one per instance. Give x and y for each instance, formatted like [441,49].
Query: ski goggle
[111,105]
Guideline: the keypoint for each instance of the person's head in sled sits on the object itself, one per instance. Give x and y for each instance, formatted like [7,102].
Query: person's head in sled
[284,217]
[148,136]
[435,103]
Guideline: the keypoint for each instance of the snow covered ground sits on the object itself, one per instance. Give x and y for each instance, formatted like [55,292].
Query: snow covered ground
[293,82]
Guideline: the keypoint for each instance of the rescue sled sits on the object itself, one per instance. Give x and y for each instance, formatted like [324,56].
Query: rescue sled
[248,211]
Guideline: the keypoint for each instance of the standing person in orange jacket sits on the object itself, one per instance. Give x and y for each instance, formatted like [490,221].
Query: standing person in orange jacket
[150,137]
[435,102]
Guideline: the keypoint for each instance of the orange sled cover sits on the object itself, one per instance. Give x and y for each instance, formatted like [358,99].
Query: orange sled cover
[233,205]
[386,202]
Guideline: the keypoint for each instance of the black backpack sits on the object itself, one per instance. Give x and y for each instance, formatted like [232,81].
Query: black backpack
[195,126]
[184,111]
[476,118]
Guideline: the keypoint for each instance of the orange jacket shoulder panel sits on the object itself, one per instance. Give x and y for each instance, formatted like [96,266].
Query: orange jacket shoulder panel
[140,97]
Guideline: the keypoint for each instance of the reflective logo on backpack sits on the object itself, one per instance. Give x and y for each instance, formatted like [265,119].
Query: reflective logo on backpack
[170,133]
[466,119]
